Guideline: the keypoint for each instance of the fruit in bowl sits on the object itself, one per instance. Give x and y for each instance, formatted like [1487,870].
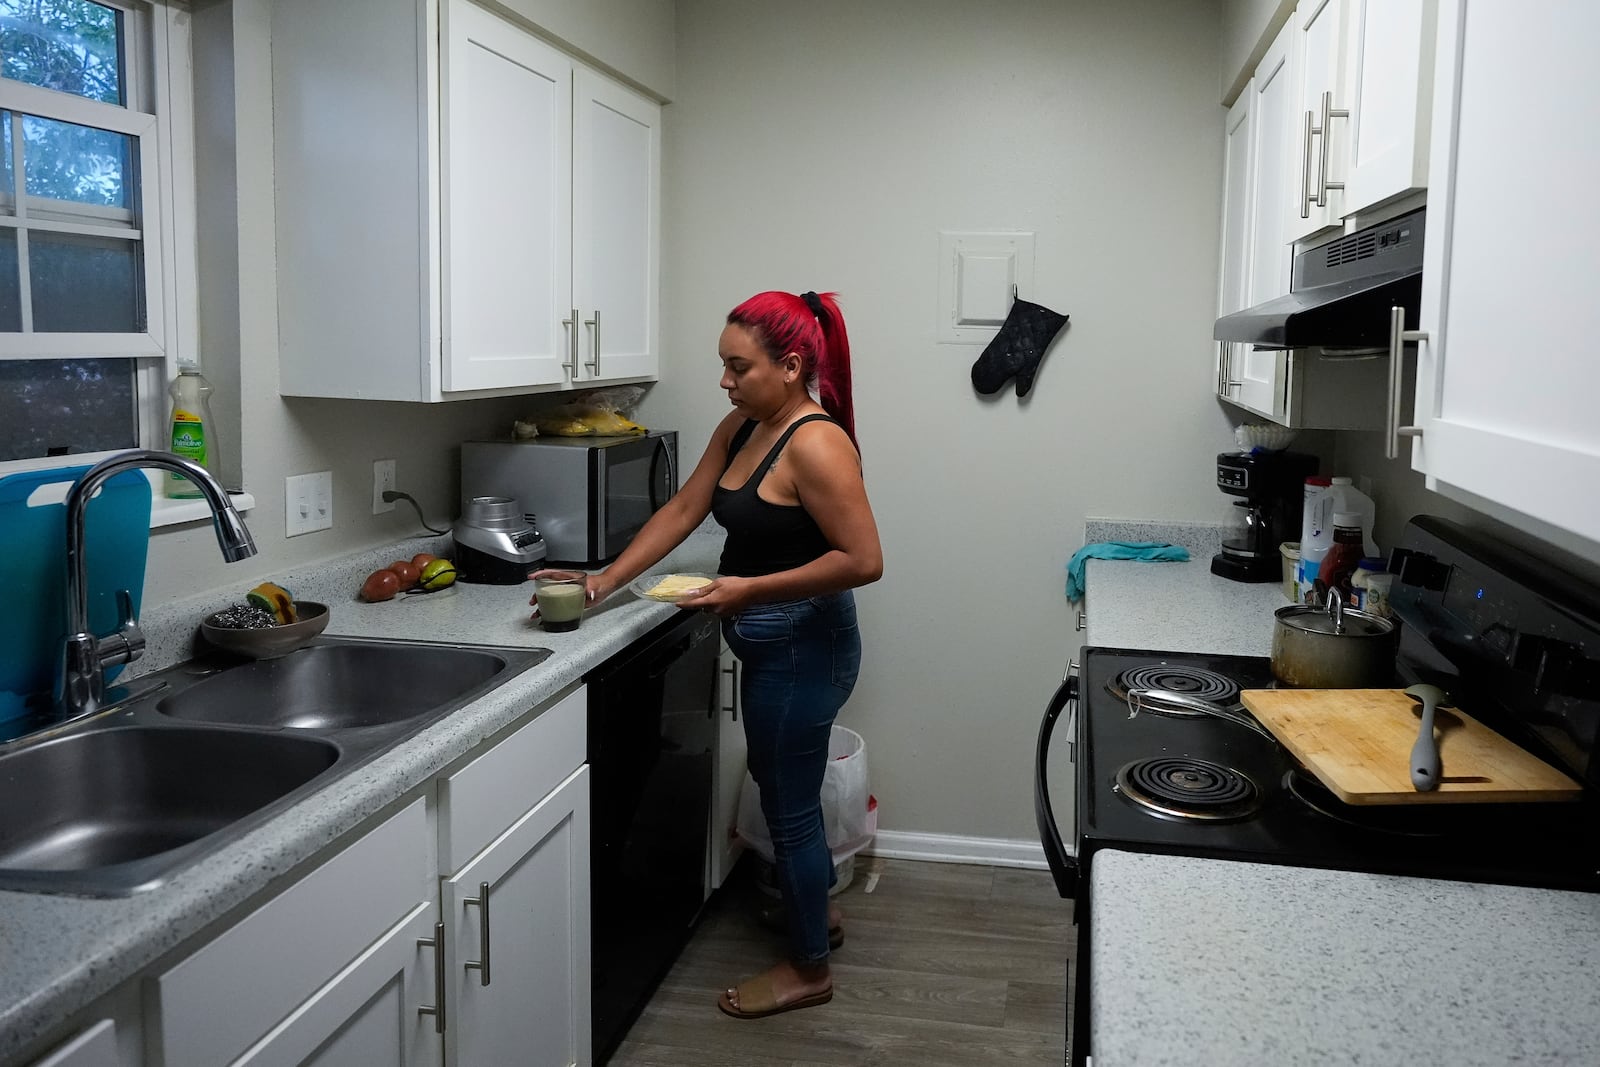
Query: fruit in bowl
[267,624]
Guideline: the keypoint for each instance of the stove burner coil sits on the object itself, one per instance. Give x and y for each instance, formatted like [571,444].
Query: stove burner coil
[1181,787]
[1387,819]
[1175,678]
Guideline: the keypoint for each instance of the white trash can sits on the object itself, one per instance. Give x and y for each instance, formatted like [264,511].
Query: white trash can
[849,811]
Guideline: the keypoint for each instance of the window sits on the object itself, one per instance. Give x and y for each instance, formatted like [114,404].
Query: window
[95,183]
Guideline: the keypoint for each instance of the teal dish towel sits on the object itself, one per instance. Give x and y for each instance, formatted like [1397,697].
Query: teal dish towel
[1149,551]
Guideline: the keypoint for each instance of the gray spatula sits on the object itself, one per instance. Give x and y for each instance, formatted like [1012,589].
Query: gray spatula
[1425,753]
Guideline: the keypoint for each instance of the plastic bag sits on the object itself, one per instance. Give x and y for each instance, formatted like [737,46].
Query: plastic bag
[597,413]
[849,810]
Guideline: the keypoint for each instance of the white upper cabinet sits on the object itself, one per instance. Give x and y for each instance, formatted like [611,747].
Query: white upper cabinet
[1505,376]
[507,226]
[1322,128]
[1234,276]
[1389,74]
[1260,373]
[617,226]
[463,210]
[1363,77]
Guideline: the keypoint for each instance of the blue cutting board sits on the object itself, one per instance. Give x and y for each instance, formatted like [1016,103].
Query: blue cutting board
[33,546]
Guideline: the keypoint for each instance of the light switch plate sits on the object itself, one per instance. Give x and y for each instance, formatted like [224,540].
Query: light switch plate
[307,503]
[321,501]
[980,274]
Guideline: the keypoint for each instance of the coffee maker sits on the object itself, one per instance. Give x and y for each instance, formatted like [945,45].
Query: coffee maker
[1271,486]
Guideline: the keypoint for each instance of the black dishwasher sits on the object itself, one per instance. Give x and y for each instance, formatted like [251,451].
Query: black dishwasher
[652,723]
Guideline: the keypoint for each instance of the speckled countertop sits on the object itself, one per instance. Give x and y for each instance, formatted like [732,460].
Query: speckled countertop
[1175,607]
[1223,962]
[59,953]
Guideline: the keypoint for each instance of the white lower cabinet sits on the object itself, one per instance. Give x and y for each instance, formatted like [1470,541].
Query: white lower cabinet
[728,773]
[453,932]
[95,1046]
[517,940]
[376,1011]
[299,972]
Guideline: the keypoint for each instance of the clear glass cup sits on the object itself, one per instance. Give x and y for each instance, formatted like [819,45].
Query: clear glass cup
[562,596]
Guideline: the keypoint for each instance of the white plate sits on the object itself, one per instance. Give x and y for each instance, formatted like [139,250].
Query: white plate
[641,586]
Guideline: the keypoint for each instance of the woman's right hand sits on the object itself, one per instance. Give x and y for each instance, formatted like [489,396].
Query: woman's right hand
[596,588]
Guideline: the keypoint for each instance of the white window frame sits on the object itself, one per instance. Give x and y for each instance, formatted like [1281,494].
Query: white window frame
[158,70]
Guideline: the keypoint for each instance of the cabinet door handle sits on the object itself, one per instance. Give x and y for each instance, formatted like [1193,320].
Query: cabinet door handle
[1083,619]
[482,903]
[732,671]
[437,1010]
[572,344]
[1398,336]
[1329,113]
[594,364]
[1306,196]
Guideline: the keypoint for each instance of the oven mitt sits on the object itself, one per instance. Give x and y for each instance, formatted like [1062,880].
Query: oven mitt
[1017,349]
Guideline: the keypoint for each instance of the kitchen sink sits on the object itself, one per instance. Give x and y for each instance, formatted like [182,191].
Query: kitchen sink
[213,748]
[337,687]
[112,796]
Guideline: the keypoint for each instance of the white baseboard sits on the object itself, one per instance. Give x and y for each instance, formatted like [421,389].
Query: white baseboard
[949,848]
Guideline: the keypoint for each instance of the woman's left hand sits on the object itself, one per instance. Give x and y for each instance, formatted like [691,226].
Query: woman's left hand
[723,597]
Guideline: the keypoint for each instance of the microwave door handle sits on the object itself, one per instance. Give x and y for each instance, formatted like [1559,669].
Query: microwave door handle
[672,473]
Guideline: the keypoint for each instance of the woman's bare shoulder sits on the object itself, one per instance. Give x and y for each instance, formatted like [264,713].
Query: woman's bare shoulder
[823,441]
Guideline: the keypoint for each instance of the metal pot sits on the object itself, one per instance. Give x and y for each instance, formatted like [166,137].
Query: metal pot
[1332,647]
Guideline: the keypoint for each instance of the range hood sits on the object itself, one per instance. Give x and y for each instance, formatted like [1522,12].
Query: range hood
[1340,293]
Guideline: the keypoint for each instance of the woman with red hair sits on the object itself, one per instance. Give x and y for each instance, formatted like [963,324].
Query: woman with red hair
[782,475]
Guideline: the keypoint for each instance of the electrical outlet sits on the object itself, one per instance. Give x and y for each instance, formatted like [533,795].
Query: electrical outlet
[382,480]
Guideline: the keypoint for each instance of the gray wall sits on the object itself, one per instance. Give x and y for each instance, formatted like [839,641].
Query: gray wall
[1247,28]
[825,145]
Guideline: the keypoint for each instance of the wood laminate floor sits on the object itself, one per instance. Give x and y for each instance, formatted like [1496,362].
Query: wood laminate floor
[942,964]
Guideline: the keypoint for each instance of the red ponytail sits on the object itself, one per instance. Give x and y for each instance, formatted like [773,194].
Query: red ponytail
[812,327]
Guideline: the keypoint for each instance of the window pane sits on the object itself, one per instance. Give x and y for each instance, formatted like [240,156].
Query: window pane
[84,284]
[10,296]
[65,161]
[73,46]
[8,183]
[60,407]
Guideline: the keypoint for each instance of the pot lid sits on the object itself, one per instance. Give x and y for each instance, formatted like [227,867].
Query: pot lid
[1350,622]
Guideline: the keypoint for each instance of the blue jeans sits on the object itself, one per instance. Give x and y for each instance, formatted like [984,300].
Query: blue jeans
[800,659]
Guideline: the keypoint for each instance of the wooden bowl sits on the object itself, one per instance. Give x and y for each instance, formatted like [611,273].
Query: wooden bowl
[269,642]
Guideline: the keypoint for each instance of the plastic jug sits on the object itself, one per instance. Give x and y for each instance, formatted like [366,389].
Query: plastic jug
[1345,497]
[1316,534]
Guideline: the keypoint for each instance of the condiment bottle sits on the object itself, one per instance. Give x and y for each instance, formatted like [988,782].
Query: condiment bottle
[1344,555]
[1360,581]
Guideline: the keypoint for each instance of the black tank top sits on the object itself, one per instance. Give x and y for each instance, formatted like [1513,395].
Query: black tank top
[764,538]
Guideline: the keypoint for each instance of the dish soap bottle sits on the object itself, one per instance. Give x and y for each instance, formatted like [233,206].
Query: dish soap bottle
[193,430]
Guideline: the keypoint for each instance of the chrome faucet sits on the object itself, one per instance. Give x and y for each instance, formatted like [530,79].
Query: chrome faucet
[81,684]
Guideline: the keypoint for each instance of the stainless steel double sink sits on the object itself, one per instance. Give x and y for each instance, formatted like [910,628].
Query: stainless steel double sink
[120,801]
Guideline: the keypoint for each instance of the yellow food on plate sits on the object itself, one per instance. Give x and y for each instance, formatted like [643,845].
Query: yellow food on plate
[675,585]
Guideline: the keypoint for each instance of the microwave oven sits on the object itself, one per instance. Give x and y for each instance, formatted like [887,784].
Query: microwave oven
[588,496]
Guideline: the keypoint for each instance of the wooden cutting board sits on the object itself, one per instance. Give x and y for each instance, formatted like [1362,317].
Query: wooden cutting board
[1358,743]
